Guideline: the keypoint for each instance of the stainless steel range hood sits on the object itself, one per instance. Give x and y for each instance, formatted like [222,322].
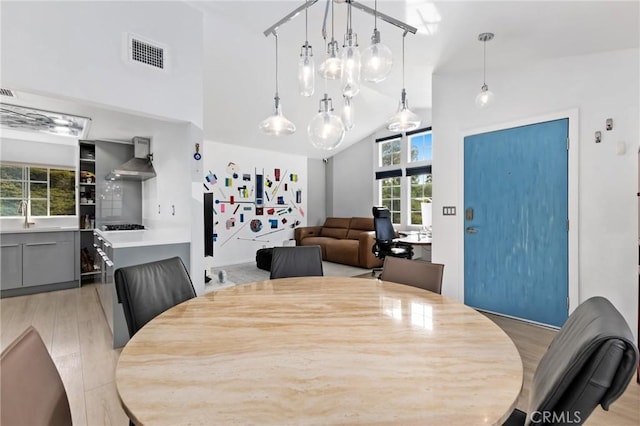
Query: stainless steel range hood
[139,167]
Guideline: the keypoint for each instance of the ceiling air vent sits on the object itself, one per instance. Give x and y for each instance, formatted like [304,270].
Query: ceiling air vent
[145,52]
[7,92]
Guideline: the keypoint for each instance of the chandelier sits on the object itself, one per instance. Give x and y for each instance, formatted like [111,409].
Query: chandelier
[352,67]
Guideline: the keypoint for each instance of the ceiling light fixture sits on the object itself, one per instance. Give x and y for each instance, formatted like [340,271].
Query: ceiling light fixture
[404,120]
[331,67]
[377,59]
[350,60]
[486,97]
[306,67]
[277,124]
[36,120]
[326,130]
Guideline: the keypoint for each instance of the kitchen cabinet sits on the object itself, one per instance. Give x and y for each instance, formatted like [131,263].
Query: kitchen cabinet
[10,265]
[89,262]
[33,259]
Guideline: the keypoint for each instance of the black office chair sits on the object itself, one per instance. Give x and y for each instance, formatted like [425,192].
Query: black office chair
[385,235]
[299,261]
[590,362]
[149,289]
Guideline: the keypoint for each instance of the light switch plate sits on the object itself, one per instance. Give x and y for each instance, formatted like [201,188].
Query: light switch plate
[448,210]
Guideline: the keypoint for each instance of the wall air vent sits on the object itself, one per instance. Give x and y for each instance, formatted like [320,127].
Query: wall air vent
[145,52]
[7,92]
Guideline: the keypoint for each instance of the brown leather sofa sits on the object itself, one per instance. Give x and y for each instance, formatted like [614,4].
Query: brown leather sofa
[342,240]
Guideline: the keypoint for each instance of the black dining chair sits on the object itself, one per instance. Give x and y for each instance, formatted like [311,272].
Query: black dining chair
[149,289]
[299,261]
[385,235]
[32,389]
[589,362]
[416,273]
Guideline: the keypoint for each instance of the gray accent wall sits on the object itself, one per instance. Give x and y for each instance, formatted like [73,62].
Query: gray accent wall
[351,188]
[316,201]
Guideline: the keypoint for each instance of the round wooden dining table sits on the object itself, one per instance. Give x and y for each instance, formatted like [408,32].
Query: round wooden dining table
[319,350]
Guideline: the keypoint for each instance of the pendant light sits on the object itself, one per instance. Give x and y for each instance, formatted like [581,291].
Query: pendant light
[277,124]
[347,113]
[377,59]
[350,61]
[306,67]
[326,130]
[486,97]
[331,68]
[404,120]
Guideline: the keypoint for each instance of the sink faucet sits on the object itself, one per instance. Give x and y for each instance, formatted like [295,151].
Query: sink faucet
[23,209]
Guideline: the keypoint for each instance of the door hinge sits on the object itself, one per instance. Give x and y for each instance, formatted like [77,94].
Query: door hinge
[568,144]
[567,224]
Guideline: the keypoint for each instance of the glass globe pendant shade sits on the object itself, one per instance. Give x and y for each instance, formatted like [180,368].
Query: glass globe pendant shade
[347,113]
[306,71]
[277,124]
[326,129]
[404,120]
[485,98]
[351,66]
[377,60]
[331,68]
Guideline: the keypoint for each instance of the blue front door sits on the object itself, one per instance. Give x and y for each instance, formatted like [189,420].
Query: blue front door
[515,222]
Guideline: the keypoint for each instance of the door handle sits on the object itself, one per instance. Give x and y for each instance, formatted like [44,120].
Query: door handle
[471,230]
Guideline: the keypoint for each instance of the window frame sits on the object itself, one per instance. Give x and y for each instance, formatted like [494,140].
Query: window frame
[405,180]
[26,183]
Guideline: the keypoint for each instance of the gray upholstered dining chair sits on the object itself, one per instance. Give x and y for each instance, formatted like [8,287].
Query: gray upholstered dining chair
[149,289]
[588,363]
[32,389]
[299,261]
[416,273]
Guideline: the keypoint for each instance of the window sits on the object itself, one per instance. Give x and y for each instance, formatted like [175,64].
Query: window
[51,191]
[390,152]
[403,175]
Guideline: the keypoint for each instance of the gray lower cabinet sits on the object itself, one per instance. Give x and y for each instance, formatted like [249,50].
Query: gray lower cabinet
[38,258]
[10,265]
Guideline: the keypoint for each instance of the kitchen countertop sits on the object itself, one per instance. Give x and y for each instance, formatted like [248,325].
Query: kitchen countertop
[146,237]
[38,229]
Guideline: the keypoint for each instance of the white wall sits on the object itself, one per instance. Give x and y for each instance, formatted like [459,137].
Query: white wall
[74,50]
[600,86]
[236,245]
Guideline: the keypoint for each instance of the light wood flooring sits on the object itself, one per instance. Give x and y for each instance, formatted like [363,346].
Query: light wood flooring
[73,327]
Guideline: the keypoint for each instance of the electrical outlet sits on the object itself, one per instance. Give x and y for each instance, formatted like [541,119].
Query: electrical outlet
[448,211]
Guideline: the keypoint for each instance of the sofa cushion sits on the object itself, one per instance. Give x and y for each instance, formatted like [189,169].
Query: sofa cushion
[342,251]
[358,226]
[337,222]
[318,241]
[333,232]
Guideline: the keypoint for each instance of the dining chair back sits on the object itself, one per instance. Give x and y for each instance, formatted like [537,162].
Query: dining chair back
[416,273]
[298,261]
[589,362]
[32,389]
[149,289]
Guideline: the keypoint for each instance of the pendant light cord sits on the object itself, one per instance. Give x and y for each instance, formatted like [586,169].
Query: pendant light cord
[331,20]
[403,37]
[484,63]
[375,15]
[276,37]
[306,23]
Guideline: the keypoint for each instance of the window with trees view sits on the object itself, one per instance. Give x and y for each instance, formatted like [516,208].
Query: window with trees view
[403,175]
[50,191]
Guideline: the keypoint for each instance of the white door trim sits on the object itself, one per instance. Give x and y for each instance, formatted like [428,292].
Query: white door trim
[573,194]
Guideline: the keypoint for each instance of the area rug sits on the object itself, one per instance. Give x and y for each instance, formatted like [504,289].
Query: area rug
[248,272]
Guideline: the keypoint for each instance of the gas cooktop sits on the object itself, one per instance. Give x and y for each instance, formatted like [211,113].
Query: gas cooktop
[123,227]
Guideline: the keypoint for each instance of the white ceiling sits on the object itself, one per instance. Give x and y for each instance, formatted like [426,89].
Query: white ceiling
[239,60]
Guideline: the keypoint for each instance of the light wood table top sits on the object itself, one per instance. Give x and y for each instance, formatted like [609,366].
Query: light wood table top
[320,350]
